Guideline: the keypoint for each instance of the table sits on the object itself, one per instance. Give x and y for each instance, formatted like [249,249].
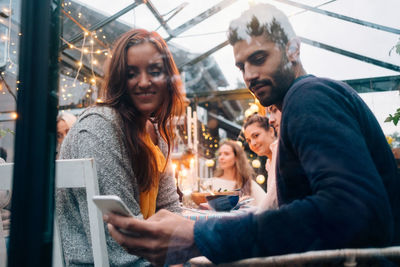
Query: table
[197,214]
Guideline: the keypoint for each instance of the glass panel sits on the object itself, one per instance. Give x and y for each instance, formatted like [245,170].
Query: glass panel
[222,115]
[9,44]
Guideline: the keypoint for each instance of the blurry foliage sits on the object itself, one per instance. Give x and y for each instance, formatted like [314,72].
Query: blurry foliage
[4,132]
[395,48]
[396,116]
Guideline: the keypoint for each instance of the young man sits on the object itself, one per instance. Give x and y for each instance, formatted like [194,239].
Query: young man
[336,176]
[274,117]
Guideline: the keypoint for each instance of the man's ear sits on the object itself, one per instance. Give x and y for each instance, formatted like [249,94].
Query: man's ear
[293,49]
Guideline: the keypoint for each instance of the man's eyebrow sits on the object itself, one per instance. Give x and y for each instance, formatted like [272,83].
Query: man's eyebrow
[239,64]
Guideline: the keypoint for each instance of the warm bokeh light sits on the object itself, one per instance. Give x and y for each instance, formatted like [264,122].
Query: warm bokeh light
[260,179]
[210,163]
[256,163]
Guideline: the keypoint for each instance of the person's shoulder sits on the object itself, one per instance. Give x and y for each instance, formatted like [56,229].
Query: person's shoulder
[98,116]
[98,120]
[107,113]
[311,90]
[310,85]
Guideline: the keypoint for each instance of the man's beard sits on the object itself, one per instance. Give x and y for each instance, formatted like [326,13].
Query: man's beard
[282,79]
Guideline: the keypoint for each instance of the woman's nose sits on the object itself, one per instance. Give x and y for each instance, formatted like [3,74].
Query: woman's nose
[253,142]
[144,81]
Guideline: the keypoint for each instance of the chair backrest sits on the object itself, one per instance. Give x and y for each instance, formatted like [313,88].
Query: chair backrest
[73,173]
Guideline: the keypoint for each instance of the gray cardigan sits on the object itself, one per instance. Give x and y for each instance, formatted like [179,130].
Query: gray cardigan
[98,134]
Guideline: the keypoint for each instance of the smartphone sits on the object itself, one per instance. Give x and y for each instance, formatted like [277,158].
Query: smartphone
[114,204]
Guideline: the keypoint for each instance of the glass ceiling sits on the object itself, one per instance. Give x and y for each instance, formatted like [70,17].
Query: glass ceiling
[336,32]
[341,39]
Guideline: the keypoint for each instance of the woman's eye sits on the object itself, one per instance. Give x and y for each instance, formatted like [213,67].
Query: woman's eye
[155,72]
[131,75]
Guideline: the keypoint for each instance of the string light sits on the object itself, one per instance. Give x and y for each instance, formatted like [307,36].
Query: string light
[256,163]
[260,179]
[210,163]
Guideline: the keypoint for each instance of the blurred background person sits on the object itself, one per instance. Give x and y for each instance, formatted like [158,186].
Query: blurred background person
[129,135]
[274,118]
[262,140]
[234,172]
[64,122]
[5,208]
[3,153]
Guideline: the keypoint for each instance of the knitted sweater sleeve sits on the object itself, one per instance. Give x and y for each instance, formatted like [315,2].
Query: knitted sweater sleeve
[95,136]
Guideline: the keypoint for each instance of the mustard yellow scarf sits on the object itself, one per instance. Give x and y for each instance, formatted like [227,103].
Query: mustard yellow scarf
[148,198]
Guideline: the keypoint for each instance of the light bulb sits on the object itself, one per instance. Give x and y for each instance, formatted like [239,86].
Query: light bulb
[256,163]
[260,179]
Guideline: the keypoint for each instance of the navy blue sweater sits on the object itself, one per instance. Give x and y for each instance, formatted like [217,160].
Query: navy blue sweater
[336,177]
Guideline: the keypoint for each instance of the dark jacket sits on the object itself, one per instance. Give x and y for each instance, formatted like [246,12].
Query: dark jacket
[336,177]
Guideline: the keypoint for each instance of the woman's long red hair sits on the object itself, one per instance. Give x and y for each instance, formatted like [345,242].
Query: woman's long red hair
[115,94]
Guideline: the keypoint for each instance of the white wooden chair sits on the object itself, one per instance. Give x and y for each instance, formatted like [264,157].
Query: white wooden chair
[73,173]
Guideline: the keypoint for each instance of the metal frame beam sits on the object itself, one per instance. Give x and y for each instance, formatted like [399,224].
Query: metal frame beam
[342,17]
[213,96]
[351,54]
[204,55]
[226,124]
[159,17]
[196,20]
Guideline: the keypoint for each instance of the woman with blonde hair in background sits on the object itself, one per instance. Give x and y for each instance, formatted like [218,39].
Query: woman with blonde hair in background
[234,172]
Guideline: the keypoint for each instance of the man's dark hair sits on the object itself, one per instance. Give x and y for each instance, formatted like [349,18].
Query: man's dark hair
[272,32]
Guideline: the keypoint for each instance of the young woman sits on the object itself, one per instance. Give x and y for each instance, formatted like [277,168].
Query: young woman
[234,172]
[262,140]
[129,135]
